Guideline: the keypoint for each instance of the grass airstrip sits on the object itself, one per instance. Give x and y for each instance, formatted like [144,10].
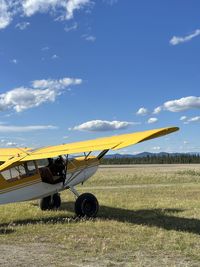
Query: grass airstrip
[149,216]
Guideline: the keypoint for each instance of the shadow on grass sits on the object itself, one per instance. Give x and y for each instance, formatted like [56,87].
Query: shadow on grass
[162,218]
[6,231]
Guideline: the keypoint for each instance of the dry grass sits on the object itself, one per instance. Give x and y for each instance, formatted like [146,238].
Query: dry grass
[154,225]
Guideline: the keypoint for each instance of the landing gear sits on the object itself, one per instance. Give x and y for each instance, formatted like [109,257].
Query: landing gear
[50,202]
[86,205]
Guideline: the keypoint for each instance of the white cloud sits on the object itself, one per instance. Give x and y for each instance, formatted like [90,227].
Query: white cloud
[42,91]
[152,120]
[5,143]
[68,7]
[73,27]
[194,119]
[182,104]
[5,15]
[156,148]
[142,111]
[157,110]
[110,2]
[56,84]
[45,48]
[29,128]
[183,118]
[101,126]
[22,25]
[63,9]
[73,5]
[189,120]
[14,61]
[178,40]
[89,38]
[54,56]
[11,143]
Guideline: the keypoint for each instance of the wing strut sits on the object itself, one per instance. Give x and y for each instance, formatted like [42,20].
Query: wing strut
[102,154]
[66,168]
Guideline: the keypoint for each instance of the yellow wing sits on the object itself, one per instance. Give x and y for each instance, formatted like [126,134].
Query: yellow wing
[7,153]
[113,142]
[106,143]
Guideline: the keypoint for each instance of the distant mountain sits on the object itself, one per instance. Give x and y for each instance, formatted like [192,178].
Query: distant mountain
[148,154]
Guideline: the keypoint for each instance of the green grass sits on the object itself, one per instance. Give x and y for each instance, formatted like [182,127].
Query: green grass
[142,226]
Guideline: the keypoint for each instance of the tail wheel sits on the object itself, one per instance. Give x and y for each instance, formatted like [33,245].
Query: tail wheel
[50,202]
[86,205]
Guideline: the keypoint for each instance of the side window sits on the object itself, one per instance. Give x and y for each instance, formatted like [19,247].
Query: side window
[42,163]
[24,170]
[7,174]
[31,168]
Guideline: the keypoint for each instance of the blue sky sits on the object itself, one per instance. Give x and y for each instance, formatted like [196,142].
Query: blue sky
[72,70]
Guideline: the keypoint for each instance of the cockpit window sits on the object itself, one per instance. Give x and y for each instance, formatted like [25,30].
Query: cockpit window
[24,170]
[42,163]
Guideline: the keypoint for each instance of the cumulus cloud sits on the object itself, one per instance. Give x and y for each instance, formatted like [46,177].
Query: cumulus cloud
[152,120]
[182,104]
[29,128]
[5,14]
[63,9]
[157,110]
[41,91]
[67,7]
[142,111]
[101,126]
[178,40]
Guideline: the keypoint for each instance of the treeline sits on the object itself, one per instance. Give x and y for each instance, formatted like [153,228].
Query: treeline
[154,159]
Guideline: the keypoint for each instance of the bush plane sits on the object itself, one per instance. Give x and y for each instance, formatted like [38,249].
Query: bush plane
[27,174]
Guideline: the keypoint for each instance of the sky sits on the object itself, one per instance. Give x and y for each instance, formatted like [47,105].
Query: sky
[73,70]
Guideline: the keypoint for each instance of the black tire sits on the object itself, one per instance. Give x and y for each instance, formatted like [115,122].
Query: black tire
[45,203]
[56,201]
[86,205]
[50,202]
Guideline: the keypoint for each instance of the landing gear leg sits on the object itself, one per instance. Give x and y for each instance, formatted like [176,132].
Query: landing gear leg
[50,202]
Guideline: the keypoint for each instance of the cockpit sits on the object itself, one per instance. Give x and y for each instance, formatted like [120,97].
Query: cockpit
[52,170]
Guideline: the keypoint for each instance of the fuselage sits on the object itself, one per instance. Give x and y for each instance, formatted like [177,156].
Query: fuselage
[15,188]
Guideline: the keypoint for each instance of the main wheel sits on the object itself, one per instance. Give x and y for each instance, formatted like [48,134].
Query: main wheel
[56,201]
[50,202]
[45,203]
[86,205]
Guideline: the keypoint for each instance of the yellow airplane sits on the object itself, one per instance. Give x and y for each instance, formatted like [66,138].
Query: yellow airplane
[27,174]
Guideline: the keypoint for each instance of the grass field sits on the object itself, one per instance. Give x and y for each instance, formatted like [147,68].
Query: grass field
[149,216]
